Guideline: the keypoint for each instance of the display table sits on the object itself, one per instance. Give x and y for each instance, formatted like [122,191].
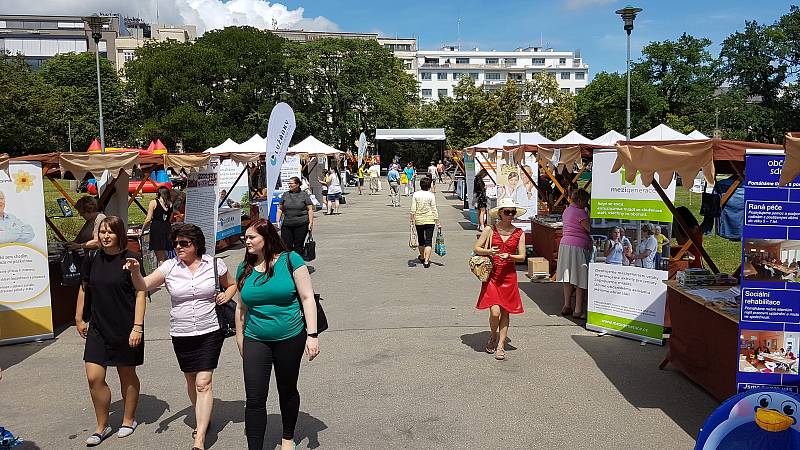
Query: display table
[704,341]
[546,239]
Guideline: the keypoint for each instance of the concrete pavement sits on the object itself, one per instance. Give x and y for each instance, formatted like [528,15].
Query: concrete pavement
[401,367]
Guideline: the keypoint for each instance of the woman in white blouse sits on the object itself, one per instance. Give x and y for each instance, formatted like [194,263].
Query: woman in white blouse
[194,326]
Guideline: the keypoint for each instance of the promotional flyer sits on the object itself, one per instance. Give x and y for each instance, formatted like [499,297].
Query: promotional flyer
[631,229]
[25,307]
[769,325]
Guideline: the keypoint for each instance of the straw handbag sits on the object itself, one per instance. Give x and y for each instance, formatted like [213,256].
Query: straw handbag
[480,265]
[412,239]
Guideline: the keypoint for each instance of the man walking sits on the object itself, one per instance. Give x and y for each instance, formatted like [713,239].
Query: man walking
[393,177]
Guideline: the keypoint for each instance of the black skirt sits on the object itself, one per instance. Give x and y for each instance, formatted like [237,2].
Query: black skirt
[198,353]
[113,352]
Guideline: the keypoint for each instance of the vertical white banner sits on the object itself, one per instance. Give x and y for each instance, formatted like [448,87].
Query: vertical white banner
[279,134]
[25,303]
[202,202]
[362,148]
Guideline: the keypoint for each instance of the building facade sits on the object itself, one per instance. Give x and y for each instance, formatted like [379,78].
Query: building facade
[139,33]
[440,70]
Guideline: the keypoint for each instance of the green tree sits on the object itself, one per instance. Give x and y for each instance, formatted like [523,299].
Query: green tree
[551,112]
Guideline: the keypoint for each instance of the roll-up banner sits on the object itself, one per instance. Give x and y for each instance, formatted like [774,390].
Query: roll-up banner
[513,183]
[769,325]
[202,202]
[25,304]
[628,264]
[362,148]
[279,133]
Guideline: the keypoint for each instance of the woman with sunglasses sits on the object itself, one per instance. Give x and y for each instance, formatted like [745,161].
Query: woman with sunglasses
[115,332]
[500,294]
[193,324]
[277,298]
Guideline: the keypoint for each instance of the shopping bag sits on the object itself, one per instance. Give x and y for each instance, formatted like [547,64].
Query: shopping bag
[440,248]
[70,269]
[412,240]
[309,248]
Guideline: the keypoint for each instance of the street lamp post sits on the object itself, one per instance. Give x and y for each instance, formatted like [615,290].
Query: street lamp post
[628,14]
[95,23]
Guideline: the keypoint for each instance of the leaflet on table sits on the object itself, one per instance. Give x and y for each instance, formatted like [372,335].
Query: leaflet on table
[626,292]
[769,325]
[25,303]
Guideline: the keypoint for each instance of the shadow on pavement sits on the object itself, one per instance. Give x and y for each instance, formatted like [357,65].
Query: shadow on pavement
[224,412]
[549,297]
[149,411]
[11,355]
[633,370]
[308,427]
[27,445]
[477,341]
[468,226]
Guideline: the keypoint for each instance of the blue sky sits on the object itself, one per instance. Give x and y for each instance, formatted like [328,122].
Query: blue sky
[589,25]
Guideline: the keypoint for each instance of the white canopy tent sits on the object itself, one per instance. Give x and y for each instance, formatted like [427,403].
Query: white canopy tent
[697,135]
[501,140]
[229,146]
[574,138]
[610,138]
[662,133]
[255,144]
[409,134]
[313,146]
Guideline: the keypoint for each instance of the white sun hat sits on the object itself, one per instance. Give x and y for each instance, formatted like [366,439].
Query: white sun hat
[506,202]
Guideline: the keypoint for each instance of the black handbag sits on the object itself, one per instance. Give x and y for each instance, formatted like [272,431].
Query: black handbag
[71,269]
[322,320]
[226,312]
[310,248]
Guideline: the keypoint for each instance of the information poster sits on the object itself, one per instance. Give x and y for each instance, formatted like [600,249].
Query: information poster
[202,202]
[229,171]
[627,296]
[25,307]
[469,194]
[769,325]
[513,183]
[482,162]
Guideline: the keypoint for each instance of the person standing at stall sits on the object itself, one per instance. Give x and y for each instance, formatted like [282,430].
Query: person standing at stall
[505,244]
[297,212]
[193,324]
[277,297]
[87,237]
[114,334]
[159,212]
[574,254]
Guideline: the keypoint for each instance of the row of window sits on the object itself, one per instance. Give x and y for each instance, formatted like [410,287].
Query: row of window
[398,47]
[45,47]
[428,93]
[509,61]
[38,25]
[493,76]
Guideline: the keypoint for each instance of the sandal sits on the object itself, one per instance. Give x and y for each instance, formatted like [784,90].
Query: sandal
[566,311]
[490,346]
[125,431]
[97,438]
[500,354]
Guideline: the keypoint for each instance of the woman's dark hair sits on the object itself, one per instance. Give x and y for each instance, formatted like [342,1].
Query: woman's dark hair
[117,226]
[513,175]
[295,180]
[87,204]
[193,233]
[425,183]
[273,245]
[163,193]
[647,228]
[581,196]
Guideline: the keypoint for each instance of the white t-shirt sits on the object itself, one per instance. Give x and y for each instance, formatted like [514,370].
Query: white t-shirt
[374,171]
[651,244]
[433,172]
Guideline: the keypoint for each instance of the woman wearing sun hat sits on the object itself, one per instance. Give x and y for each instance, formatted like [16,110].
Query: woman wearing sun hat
[500,294]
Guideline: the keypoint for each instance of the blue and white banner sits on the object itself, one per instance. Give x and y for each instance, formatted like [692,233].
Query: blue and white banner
[279,134]
[769,325]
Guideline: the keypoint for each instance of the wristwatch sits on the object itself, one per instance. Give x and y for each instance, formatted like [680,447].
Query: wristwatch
[313,335]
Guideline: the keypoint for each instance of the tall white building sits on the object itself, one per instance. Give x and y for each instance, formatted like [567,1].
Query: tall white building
[440,70]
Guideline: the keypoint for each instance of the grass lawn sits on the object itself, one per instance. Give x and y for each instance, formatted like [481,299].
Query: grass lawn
[726,254]
[70,226]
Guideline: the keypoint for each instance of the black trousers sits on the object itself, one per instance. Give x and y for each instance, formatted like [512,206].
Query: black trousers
[258,358]
[294,237]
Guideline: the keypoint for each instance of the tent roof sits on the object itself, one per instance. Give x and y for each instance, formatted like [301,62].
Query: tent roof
[255,144]
[697,135]
[312,145]
[610,138]
[572,138]
[662,133]
[502,140]
[410,134]
[226,147]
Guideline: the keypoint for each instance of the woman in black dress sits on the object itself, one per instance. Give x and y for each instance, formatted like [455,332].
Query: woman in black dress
[479,190]
[159,212]
[115,332]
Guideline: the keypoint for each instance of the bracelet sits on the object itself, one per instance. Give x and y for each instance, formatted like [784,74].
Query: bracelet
[139,325]
[313,335]
[138,331]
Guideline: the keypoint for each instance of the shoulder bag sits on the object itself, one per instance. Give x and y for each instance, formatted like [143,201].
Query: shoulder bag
[226,312]
[412,239]
[86,315]
[309,248]
[322,320]
[481,265]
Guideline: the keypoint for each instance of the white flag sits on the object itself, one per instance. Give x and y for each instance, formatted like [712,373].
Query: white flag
[279,133]
[362,148]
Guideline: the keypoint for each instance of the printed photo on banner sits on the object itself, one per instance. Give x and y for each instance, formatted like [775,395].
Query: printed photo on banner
[771,260]
[631,243]
[514,181]
[766,351]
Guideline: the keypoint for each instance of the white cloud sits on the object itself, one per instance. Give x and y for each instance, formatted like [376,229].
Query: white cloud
[581,4]
[205,14]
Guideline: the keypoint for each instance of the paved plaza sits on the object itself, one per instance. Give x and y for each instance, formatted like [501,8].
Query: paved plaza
[401,367]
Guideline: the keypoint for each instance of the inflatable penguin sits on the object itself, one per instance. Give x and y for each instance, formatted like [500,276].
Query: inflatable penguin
[758,419]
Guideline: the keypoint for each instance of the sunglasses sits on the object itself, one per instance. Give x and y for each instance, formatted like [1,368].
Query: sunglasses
[509,212]
[182,243]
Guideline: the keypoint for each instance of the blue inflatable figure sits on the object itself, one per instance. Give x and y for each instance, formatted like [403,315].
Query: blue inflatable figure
[7,440]
[758,419]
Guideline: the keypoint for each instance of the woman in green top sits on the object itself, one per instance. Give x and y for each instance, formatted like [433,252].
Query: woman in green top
[270,330]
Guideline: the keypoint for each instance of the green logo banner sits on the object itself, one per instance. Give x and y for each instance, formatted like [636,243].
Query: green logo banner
[647,210]
[630,326]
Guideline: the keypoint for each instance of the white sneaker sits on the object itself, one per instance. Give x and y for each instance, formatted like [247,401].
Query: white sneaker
[96,439]
[125,431]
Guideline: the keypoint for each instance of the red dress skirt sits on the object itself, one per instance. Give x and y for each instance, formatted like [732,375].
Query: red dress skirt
[502,288]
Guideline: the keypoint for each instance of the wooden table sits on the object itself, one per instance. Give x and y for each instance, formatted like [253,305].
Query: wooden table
[546,239]
[704,343]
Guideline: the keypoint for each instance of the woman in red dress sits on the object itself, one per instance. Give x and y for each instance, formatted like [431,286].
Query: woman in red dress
[501,293]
